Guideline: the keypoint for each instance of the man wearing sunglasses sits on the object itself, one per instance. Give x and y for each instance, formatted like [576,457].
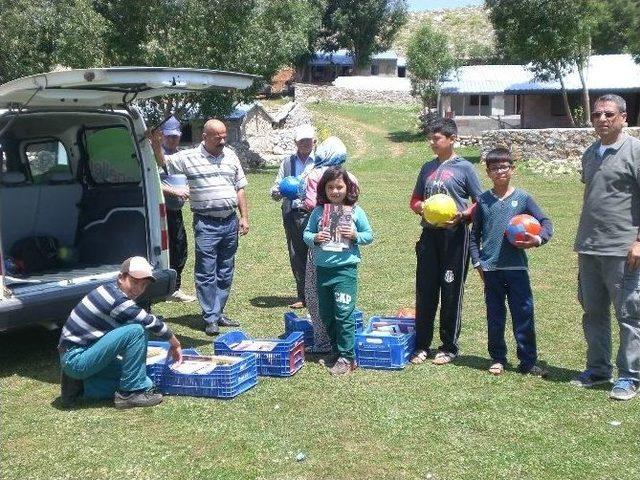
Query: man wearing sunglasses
[608,246]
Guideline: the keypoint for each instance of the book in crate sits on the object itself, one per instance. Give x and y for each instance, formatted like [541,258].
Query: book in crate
[157,356]
[219,376]
[293,323]
[387,343]
[280,357]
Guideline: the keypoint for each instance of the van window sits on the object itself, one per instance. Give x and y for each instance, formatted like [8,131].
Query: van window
[111,155]
[45,158]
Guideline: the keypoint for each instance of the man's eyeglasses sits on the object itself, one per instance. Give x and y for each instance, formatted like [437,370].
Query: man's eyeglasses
[606,114]
[499,168]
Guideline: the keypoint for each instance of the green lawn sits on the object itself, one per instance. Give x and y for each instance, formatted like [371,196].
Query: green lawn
[448,422]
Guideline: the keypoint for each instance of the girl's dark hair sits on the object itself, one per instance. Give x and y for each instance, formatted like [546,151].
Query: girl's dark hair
[498,155]
[334,173]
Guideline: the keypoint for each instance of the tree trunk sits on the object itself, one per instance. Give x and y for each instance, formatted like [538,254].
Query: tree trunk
[586,101]
[565,98]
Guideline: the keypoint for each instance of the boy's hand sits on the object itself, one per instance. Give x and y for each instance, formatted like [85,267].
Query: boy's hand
[457,218]
[322,236]
[347,232]
[529,241]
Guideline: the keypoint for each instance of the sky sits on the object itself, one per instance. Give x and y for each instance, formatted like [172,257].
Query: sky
[421,5]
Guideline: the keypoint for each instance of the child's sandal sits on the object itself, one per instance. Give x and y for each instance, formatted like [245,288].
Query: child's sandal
[442,358]
[496,368]
[419,357]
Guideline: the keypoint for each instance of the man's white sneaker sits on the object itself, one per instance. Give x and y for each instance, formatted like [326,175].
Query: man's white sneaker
[180,296]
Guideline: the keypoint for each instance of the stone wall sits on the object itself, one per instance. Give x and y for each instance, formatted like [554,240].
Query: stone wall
[547,151]
[306,93]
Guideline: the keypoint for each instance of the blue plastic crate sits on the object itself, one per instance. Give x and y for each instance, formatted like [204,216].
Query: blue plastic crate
[286,358]
[389,352]
[154,370]
[226,381]
[293,323]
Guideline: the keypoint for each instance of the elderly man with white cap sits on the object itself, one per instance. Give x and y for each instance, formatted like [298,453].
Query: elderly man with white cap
[103,344]
[175,192]
[294,214]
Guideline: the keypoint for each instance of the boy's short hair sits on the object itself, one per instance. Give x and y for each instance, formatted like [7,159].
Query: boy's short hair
[498,155]
[445,126]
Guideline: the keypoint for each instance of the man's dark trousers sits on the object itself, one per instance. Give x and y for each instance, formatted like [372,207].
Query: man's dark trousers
[295,221]
[177,243]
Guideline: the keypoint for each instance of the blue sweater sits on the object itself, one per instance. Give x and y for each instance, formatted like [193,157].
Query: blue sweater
[489,247]
[102,310]
[349,256]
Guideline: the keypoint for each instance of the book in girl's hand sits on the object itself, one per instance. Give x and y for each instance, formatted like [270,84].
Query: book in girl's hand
[333,217]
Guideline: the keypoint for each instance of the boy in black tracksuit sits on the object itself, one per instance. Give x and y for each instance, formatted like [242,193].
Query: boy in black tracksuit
[442,252]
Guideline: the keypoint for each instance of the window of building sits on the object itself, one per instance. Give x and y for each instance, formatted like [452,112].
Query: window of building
[482,99]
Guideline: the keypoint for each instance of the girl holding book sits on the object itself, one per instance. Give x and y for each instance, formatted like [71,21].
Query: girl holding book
[331,152]
[336,258]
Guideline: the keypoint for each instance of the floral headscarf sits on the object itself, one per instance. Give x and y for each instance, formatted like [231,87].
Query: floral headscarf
[331,152]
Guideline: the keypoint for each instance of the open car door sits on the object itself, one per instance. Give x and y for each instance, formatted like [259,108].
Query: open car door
[117,86]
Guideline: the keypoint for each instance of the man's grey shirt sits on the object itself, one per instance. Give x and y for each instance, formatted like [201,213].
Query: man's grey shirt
[611,204]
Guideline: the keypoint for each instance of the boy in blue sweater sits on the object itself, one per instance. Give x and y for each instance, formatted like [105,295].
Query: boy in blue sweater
[503,266]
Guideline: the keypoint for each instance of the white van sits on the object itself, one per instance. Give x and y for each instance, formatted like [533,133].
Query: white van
[78,178]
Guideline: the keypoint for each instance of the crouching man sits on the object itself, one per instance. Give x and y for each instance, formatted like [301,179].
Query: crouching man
[103,345]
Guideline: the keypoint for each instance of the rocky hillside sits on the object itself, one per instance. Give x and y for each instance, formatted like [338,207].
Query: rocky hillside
[468,29]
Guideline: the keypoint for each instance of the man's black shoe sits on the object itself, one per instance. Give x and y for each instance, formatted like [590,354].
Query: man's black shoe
[212,329]
[70,390]
[227,322]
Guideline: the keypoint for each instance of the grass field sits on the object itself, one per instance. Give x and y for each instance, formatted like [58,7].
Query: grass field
[447,422]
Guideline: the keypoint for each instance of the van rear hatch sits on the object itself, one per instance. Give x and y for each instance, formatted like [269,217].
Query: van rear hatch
[96,87]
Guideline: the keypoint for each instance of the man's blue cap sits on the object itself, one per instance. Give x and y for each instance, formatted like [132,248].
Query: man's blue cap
[171,127]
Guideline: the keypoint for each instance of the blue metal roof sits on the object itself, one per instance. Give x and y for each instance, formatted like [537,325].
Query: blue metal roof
[340,57]
[484,79]
[387,55]
[604,73]
[343,57]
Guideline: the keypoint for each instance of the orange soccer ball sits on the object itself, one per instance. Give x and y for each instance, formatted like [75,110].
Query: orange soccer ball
[521,224]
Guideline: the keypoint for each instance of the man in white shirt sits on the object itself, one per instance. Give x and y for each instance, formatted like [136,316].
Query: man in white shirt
[294,214]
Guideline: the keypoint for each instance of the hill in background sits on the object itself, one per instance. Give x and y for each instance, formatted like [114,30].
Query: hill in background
[469,31]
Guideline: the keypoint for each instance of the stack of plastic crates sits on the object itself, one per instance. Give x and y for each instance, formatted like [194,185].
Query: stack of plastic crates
[155,370]
[283,359]
[293,323]
[389,351]
[224,381]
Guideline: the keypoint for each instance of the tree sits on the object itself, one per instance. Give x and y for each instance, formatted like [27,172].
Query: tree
[38,35]
[552,36]
[128,27]
[616,25]
[364,27]
[429,60]
[254,36]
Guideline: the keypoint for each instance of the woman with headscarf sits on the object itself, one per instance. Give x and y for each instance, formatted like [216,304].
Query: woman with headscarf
[329,153]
